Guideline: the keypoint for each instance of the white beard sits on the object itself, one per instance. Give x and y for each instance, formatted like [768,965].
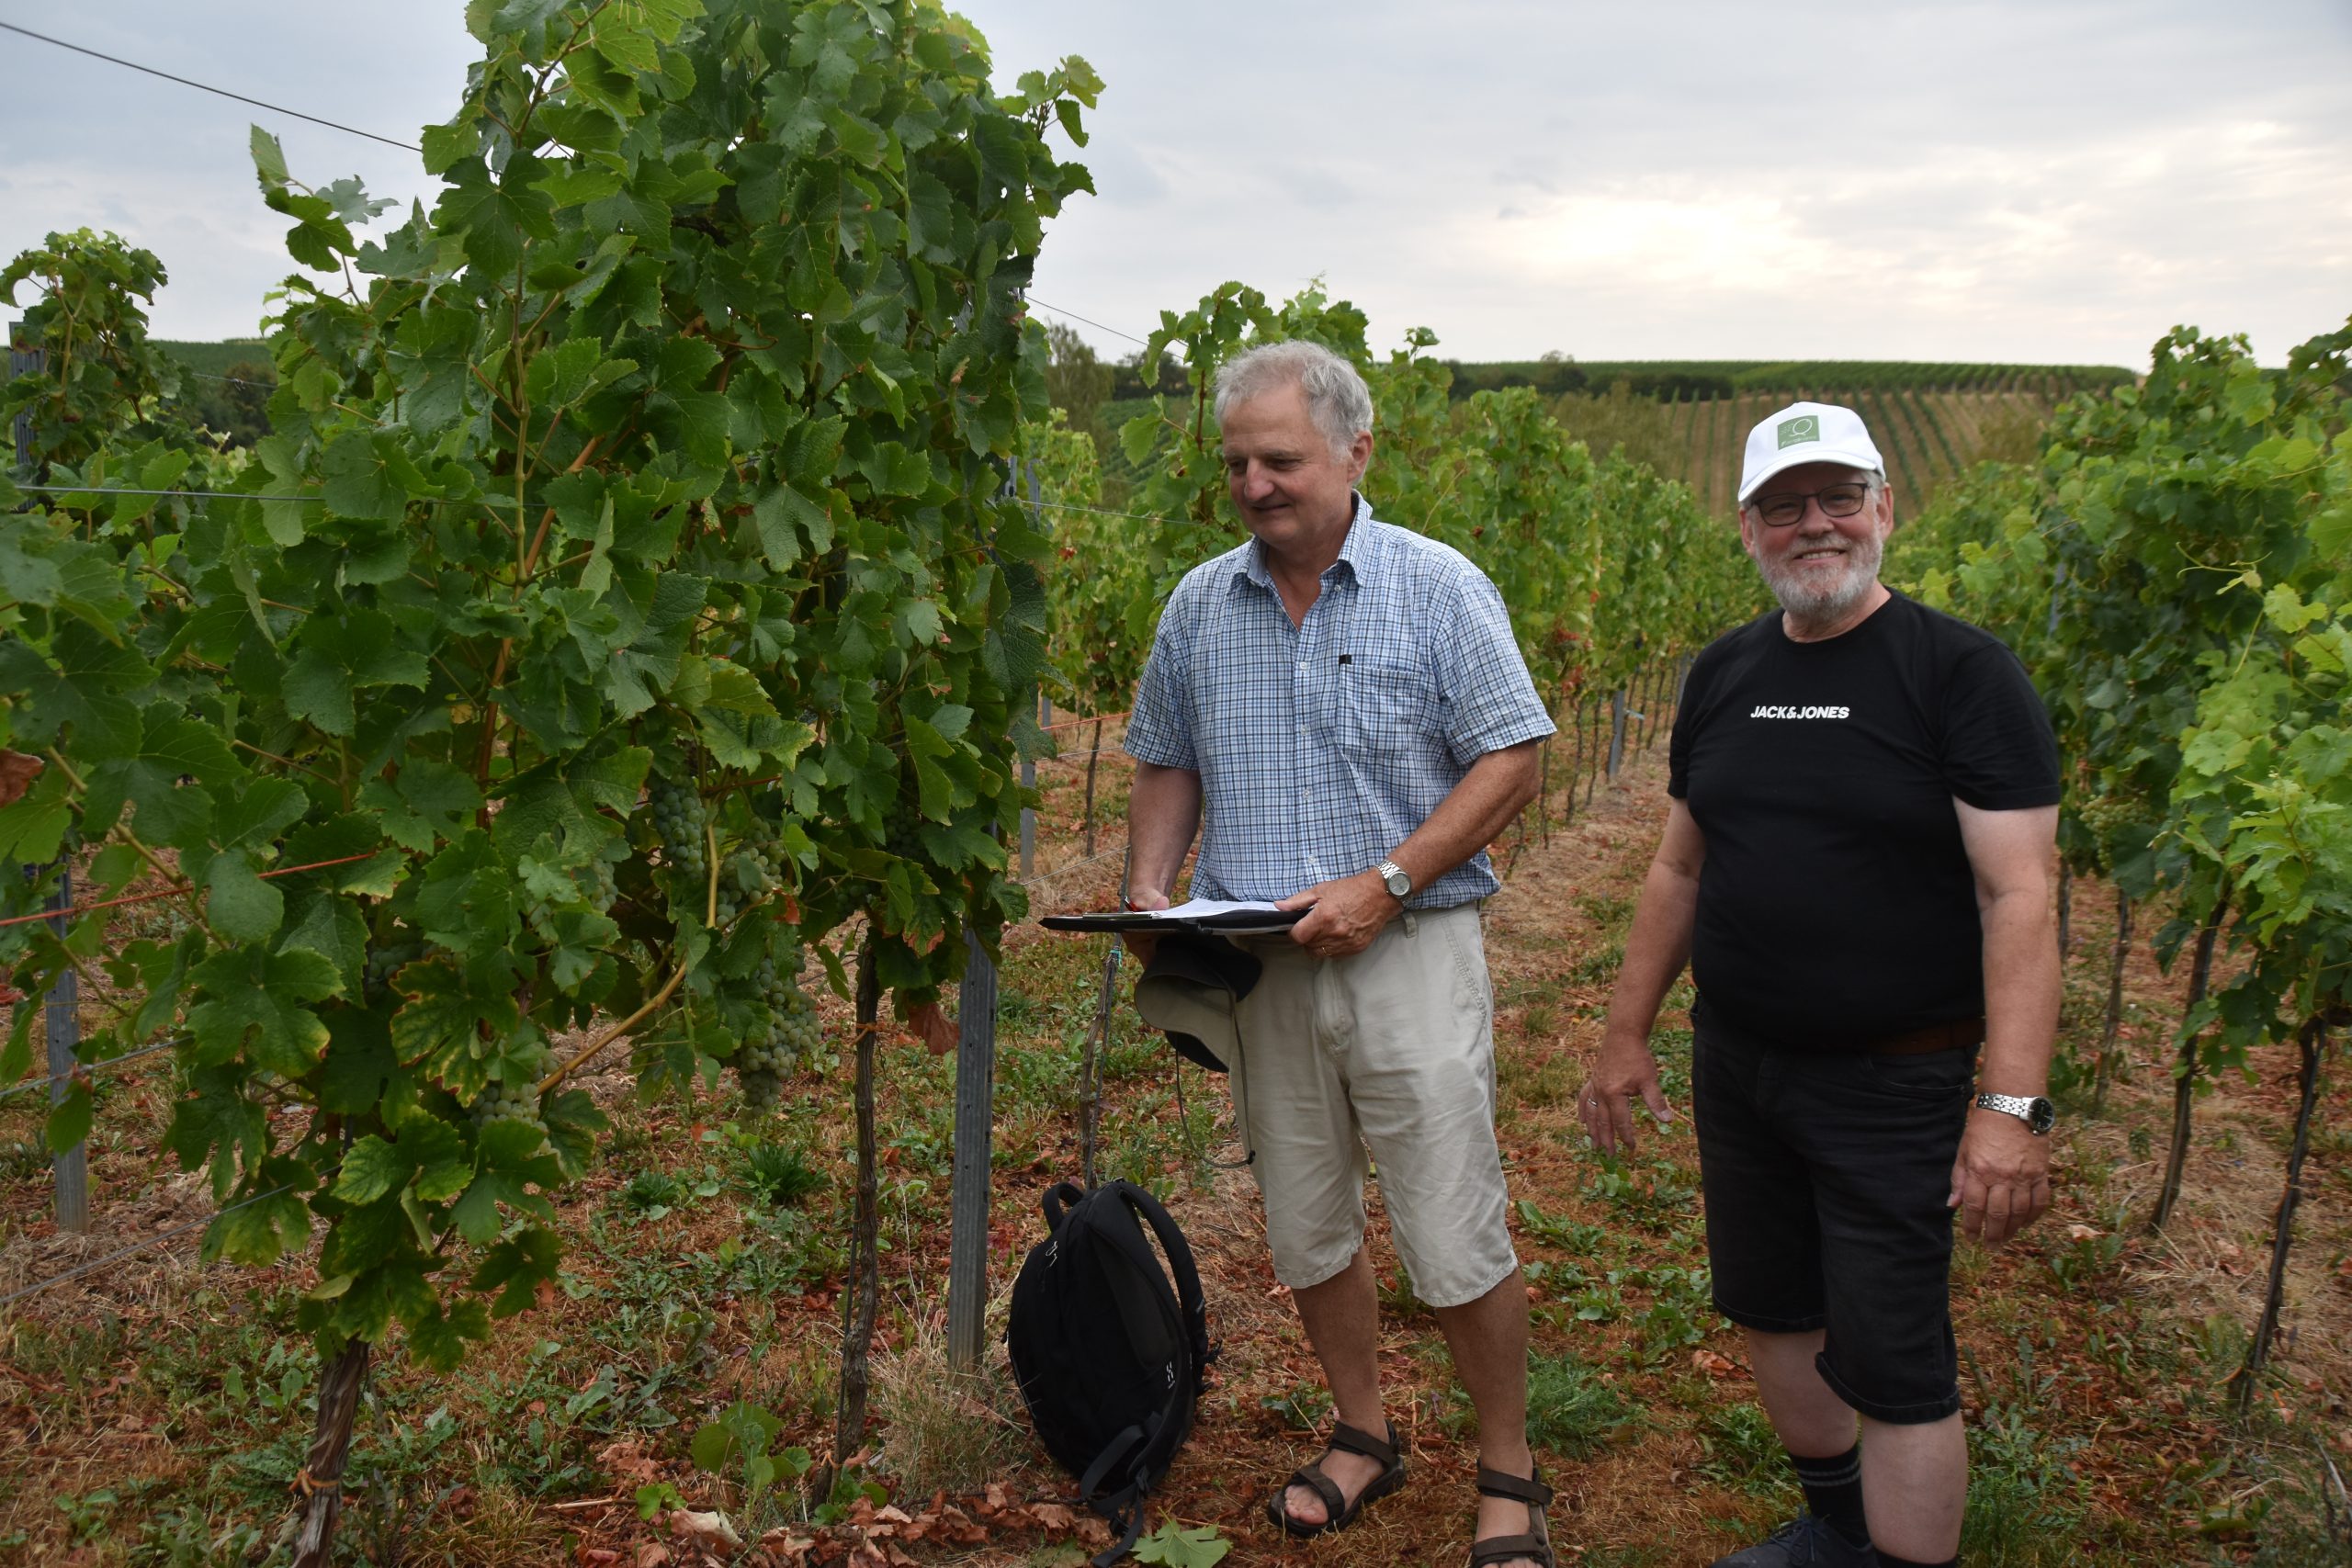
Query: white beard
[1804,593]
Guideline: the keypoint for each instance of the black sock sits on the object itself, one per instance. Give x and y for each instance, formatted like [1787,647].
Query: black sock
[1833,1490]
[1892,1562]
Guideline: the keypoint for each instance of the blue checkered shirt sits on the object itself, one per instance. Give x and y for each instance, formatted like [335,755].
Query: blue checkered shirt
[1321,746]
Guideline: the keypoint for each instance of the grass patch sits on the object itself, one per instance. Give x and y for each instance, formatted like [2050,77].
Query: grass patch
[1599,966]
[1743,1452]
[1536,1081]
[2025,1505]
[946,1429]
[779,1174]
[1572,1411]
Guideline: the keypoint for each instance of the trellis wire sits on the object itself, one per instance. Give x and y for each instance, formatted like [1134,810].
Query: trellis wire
[223,92]
[93,1069]
[137,1247]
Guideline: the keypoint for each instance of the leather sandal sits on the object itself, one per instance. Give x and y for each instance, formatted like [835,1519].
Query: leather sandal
[1338,1512]
[1534,1547]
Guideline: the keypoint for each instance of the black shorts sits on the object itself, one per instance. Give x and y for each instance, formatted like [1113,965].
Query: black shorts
[1827,1179]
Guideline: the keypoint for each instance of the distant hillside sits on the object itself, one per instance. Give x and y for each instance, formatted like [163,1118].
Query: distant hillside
[1684,379]
[214,358]
[1926,437]
[1689,419]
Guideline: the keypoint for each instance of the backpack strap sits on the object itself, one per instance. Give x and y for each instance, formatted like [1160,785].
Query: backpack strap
[1125,1543]
[1060,1198]
[1193,1306]
[1125,1503]
[1128,1440]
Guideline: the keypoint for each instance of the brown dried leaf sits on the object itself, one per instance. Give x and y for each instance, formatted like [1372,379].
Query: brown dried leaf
[932,1027]
[17,772]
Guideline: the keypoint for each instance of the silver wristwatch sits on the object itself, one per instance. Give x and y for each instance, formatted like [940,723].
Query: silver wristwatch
[1394,876]
[2037,1113]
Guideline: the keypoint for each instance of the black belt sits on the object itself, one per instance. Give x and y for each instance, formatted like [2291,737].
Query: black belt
[1950,1036]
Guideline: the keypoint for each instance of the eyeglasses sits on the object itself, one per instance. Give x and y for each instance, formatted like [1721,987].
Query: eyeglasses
[1783,510]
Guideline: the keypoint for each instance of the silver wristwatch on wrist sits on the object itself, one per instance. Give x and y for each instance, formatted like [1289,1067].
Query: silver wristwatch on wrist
[2037,1113]
[1396,879]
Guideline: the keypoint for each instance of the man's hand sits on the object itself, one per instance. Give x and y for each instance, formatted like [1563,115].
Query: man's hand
[1347,915]
[1143,944]
[2000,1183]
[1606,1105]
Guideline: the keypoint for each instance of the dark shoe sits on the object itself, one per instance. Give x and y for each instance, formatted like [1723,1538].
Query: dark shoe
[1339,1512]
[1535,1546]
[1804,1543]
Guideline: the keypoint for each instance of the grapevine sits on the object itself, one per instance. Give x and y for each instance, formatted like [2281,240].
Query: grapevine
[619,610]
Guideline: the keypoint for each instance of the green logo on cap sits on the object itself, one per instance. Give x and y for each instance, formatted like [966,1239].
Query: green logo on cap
[1804,427]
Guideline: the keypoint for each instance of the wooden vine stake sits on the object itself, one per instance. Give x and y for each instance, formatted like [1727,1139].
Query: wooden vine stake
[1093,759]
[2103,1064]
[2065,909]
[863,1295]
[2184,1070]
[318,1486]
[2311,1041]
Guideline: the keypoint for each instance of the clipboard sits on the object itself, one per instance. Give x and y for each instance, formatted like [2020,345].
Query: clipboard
[1234,922]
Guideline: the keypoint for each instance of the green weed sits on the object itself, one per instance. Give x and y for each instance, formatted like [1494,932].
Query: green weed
[1600,966]
[1572,1410]
[1302,1408]
[779,1174]
[2025,1505]
[1743,1452]
[1569,1235]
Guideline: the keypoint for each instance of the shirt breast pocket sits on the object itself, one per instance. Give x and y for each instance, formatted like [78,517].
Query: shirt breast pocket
[1386,712]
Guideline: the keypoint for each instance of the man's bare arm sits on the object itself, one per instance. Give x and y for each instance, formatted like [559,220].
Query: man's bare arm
[1350,910]
[1656,950]
[2001,1181]
[1163,813]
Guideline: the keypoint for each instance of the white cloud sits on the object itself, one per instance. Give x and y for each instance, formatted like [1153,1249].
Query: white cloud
[2056,180]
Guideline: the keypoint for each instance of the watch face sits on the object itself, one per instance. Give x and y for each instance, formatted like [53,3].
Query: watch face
[2041,1115]
[1398,883]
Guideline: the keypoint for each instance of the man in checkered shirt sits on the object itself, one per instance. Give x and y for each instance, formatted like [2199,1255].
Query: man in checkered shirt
[1340,708]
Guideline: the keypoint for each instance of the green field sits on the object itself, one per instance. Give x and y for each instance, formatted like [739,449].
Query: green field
[1682,379]
[1931,422]
[214,358]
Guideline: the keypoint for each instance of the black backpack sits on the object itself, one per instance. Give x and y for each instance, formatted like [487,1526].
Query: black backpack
[1108,1358]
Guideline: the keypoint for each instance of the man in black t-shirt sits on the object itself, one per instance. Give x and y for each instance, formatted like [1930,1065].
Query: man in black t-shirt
[1856,866]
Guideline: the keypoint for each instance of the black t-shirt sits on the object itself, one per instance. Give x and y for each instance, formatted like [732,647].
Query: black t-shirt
[1836,904]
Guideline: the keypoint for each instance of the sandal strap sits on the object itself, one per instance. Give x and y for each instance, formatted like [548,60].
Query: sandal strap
[1356,1441]
[1511,1548]
[1311,1476]
[1526,1489]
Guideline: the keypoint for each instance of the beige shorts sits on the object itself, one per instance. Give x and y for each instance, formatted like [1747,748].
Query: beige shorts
[1388,1053]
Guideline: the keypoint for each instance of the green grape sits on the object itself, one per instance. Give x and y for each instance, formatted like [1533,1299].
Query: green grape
[761,1064]
[681,821]
[509,1102]
[384,961]
[603,888]
[763,1090]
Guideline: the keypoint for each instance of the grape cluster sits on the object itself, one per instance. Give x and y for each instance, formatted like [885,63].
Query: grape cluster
[679,817]
[792,1035]
[601,889]
[386,960]
[509,1102]
[749,876]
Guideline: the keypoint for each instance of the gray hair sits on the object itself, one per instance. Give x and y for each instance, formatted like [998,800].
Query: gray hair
[1337,399]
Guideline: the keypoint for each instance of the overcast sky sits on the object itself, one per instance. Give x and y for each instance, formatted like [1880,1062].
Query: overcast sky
[2017,180]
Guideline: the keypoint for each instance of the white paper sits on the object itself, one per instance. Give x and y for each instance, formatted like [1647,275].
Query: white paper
[1199,909]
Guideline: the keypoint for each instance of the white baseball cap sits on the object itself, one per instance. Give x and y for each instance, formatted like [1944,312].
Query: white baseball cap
[1807,432]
